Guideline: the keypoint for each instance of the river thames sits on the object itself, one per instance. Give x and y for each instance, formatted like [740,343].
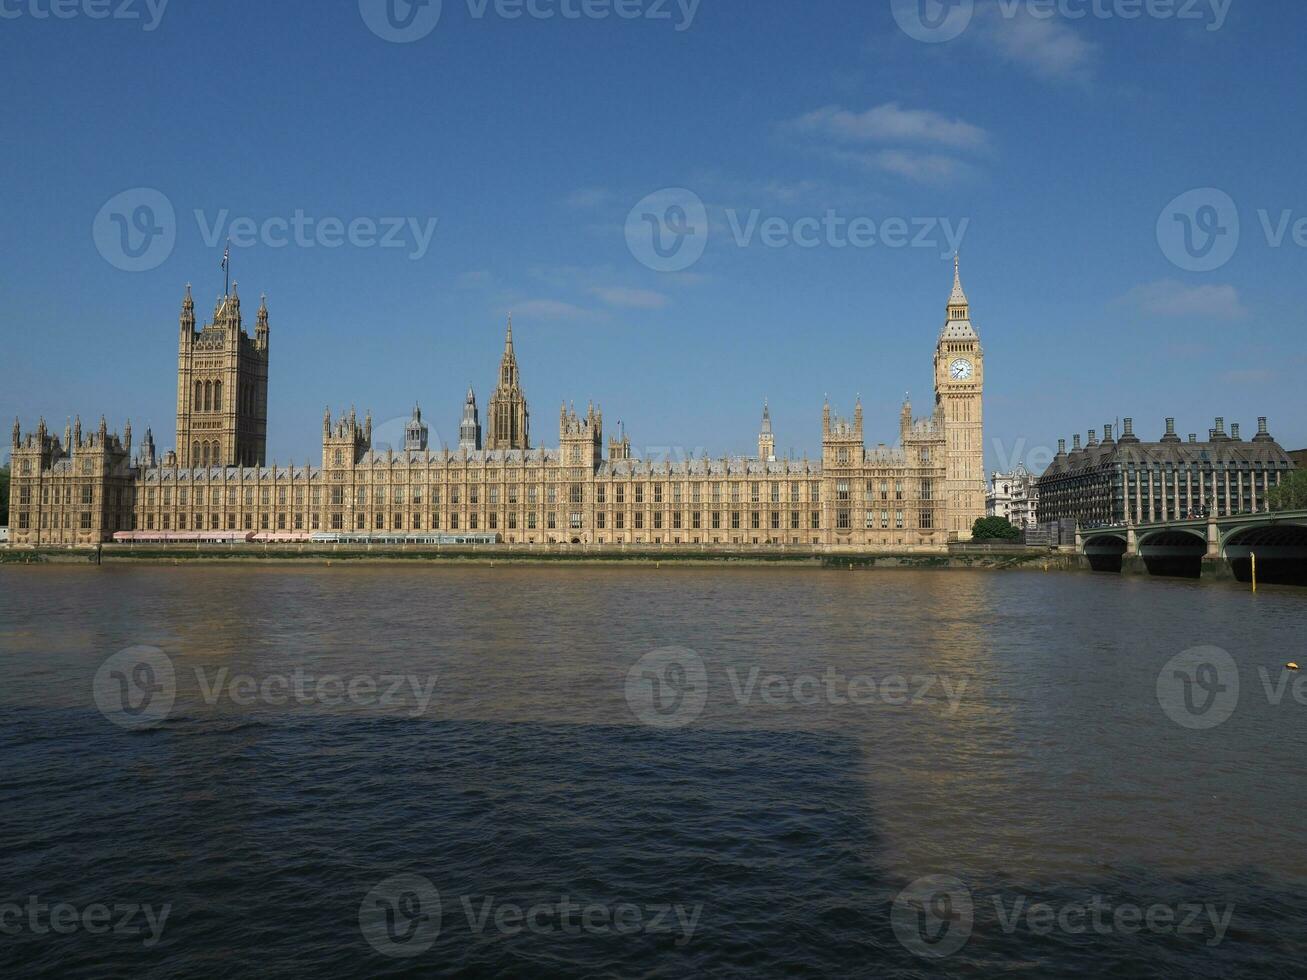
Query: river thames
[530,771]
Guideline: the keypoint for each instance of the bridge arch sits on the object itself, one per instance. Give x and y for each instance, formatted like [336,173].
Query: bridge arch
[1174,551]
[1105,551]
[1280,546]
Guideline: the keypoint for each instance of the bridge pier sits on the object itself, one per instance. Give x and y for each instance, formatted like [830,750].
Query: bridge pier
[1216,570]
[1133,564]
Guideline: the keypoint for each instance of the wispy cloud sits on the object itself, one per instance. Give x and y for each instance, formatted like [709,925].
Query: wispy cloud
[1047,46]
[891,123]
[590,197]
[552,309]
[640,299]
[1168,297]
[917,144]
[1248,376]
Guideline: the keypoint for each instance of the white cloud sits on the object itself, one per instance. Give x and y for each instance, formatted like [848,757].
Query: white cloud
[589,197]
[917,144]
[552,309]
[1168,297]
[891,123]
[927,168]
[1047,46]
[641,299]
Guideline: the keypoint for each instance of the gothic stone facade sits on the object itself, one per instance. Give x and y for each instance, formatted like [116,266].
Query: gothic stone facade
[915,496]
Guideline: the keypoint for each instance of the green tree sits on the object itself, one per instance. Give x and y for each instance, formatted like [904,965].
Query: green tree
[1291,494]
[995,529]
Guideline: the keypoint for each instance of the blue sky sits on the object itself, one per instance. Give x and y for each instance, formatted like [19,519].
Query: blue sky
[1054,144]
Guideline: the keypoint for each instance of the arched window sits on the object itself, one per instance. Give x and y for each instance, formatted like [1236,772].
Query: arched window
[217,396]
[195,453]
[204,454]
[199,397]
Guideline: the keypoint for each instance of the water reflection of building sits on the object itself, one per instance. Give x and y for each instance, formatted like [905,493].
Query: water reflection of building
[1119,480]
[916,495]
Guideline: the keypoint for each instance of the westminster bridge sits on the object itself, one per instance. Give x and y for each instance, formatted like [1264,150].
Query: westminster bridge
[1216,547]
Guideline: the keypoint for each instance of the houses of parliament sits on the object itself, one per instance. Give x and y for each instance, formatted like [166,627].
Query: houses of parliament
[89,488]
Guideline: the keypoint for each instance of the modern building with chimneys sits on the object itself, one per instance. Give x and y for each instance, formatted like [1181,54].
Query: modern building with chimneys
[1119,480]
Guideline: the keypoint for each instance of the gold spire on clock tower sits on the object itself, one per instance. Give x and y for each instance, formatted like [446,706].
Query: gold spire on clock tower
[959,404]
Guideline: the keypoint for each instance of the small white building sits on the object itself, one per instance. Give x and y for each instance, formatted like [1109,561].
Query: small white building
[1014,496]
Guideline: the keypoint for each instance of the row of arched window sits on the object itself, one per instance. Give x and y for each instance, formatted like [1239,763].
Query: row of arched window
[206,453]
[208,397]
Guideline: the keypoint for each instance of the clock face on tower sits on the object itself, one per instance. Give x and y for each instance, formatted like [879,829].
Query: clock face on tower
[960,370]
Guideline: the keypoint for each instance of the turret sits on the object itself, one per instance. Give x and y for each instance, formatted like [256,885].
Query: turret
[416,434]
[147,459]
[469,429]
[261,327]
[766,438]
[188,313]
[18,432]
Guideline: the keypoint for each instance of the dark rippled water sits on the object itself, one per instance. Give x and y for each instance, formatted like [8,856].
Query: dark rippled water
[1009,736]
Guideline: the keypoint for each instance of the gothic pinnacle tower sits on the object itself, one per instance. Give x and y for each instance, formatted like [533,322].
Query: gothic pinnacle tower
[469,430]
[222,386]
[766,439]
[508,415]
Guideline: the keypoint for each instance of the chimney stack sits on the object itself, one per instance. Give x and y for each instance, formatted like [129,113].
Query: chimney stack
[1234,432]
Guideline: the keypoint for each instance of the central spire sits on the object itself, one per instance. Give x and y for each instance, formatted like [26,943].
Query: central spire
[958,307]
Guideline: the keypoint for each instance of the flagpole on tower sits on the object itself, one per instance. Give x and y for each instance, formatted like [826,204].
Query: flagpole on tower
[226,268]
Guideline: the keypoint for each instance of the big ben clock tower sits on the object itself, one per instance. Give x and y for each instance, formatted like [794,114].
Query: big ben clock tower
[959,392]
